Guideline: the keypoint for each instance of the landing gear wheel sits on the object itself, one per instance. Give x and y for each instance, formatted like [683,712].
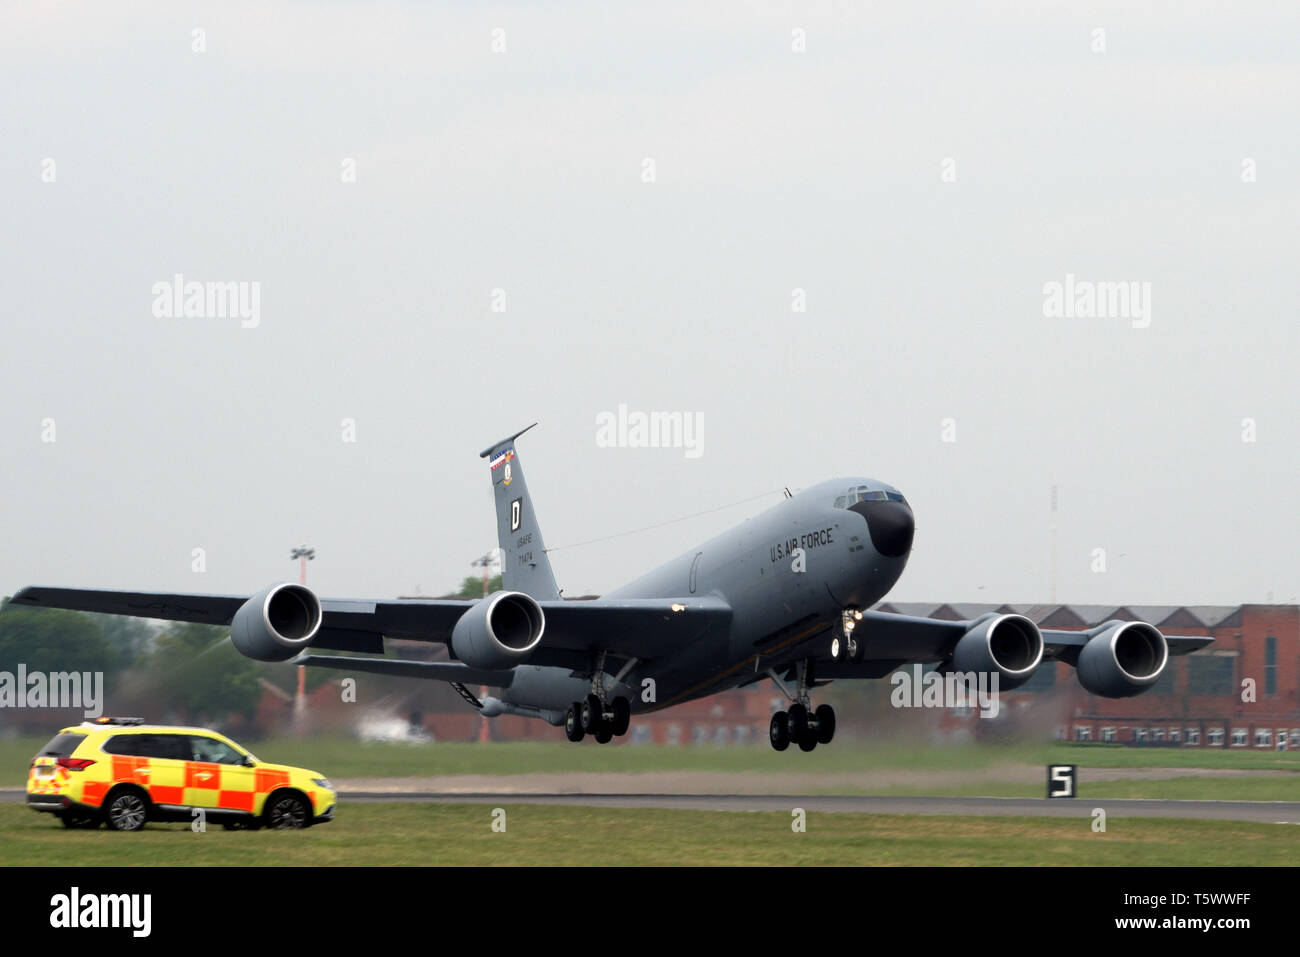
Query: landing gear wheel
[808,741]
[838,649]
[798,722]
[825,718]
[605,733]
[778,732]
[591,714]
[622,716]
[573,723]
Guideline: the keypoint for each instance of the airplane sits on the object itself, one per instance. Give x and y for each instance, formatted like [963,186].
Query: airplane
[786,596]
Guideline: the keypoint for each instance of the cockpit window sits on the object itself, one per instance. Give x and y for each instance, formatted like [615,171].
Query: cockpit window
[863,493]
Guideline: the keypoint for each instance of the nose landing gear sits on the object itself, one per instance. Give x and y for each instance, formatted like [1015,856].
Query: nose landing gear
[801,724]
[844,647]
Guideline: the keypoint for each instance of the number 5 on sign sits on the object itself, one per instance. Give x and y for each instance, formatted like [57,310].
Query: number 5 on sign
[1061,780]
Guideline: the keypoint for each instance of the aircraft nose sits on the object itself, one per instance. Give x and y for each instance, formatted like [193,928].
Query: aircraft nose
[891,526]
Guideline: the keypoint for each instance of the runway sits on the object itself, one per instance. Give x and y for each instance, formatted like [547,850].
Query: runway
[1267,812]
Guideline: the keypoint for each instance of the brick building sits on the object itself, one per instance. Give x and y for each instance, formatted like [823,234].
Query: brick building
[1200,701]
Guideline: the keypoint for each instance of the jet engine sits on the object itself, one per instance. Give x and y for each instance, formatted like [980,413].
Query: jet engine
[498,632]
[1124,659]
[276,623]
[1010,645]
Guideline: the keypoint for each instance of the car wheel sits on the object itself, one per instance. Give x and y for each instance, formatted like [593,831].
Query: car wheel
[126,810]
[286,811]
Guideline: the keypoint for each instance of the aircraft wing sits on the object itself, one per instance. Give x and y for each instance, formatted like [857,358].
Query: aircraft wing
[630,628]
[904,639]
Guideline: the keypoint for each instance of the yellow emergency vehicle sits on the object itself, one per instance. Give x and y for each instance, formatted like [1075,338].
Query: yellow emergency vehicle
[122,773]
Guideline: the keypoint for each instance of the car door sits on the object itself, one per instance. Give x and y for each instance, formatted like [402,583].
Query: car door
[219,775]
[151,761]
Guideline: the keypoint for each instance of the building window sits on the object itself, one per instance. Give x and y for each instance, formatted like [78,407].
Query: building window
[1295,737]
[1239,737]
[1108,734]
[1210,675]
[1175,736]
[1158,735]
[1082,732]
[1216,737]
[1194,736]
[1140,735]
[1270,665]
[1263,737]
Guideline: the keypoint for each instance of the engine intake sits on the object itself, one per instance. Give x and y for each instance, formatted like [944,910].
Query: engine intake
[1010,645]
[276,623]
[1123,659]
[498,632]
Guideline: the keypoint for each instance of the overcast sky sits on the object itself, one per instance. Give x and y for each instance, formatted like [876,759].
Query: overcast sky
[648,188]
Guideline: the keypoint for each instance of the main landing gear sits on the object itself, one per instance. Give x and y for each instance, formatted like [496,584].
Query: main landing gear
[800,725]
[603,722]
[597,716]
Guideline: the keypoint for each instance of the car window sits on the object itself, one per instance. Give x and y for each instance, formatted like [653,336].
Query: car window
[61,745]
[135,745]
[214,751]
[172,747]
[175,747]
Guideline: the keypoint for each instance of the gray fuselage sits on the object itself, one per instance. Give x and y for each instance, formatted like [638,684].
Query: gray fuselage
[788,574]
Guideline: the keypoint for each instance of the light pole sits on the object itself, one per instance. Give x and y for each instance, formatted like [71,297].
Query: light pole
[484,561]
[303,555]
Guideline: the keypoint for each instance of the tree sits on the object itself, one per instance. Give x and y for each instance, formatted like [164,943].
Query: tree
[49,640]
[194,669]
[471,586]
[128,637]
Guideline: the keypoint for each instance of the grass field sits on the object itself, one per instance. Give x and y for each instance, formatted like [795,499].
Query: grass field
[347,758]
[460,834]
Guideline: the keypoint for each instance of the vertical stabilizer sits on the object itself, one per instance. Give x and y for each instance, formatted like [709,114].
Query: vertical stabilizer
[525,566]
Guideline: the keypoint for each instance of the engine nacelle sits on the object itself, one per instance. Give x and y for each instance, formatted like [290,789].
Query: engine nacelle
[1010,645]
[276,623]
[1125,658]
[498,632]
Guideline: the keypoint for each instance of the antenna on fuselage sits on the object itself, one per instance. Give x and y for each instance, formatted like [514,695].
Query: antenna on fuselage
[787,493]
